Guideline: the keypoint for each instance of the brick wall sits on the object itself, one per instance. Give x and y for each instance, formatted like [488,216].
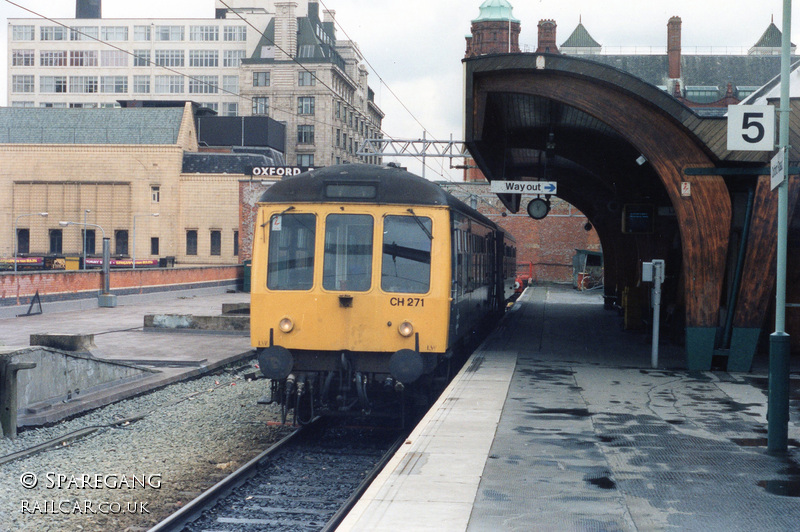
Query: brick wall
[249,194]
[20,288]
[549,243]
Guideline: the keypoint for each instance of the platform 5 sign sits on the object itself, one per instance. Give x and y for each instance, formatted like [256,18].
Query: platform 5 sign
[751,127]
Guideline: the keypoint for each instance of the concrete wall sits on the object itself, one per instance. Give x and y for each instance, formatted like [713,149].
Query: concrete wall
[19,288]
[61,377]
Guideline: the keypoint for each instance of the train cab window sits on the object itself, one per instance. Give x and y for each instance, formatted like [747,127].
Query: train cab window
[406,263]
[290,264]
[348,252]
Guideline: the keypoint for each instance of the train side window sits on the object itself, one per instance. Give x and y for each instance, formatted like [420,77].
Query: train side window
[290,263]
[406,263]
[348,252]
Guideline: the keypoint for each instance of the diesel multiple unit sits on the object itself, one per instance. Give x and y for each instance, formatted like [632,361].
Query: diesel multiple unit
[364,281]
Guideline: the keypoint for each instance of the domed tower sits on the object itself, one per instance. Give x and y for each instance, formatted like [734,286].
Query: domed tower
[495,31]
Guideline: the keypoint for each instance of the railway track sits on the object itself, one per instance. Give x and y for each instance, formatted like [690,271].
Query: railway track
[305,482]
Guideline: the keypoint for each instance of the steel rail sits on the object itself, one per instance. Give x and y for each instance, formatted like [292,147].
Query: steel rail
[342,512]
[178,520]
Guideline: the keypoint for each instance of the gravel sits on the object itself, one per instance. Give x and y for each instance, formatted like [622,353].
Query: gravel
[127,478]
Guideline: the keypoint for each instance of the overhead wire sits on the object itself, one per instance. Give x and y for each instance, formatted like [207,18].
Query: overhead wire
[383,82]
[294,59]
[309,118]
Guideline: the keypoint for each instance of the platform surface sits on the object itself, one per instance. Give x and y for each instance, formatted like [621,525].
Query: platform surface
[558,422]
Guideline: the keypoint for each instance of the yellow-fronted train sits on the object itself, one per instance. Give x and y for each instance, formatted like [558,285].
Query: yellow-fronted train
[365,281]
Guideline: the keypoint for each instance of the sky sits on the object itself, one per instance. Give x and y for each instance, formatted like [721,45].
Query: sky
[414,47]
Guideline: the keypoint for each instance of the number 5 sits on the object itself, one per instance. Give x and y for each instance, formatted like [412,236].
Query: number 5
[750,120]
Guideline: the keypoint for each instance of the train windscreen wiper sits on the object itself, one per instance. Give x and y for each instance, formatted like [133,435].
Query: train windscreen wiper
[420,224]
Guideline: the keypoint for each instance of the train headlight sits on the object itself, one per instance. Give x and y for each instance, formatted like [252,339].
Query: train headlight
[405,329]
[286,325]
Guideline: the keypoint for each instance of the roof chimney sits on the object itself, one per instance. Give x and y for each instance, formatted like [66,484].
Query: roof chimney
[674,47]
[88,9]
[285,30]
[547,37]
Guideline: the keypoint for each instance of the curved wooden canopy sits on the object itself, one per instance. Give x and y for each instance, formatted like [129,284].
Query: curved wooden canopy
[584,124]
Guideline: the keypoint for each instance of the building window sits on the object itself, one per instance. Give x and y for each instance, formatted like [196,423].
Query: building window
[141,58]
[306,50]
[169,85]
[338,137]
[702,94]
[204,33]
[53,105]
[23,240]
[236,243]
[17,103]
[260,105]
[56,240]
[83,58]
[83,84]
[83,33]
[141,84]
[204,85]
[236,33]
[53,58]
[305,105]
[260,79]
[155,193]
[53,84]
[89,241]
[169,58]
[121,242]
[141,33]
[233,58]
[214,106]
[114,84]
[23,33]
[305,134]
[230,109]
[113,58]
[169,33]
[23,58]
[52,33]
[21,84]
[114,33]
[305,79]
[191,242]
[306,160]
[231,84]
[216,243]
[203,58]
[154,245]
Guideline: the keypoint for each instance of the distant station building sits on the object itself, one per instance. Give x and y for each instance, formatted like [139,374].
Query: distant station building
[300,74]
[111,171]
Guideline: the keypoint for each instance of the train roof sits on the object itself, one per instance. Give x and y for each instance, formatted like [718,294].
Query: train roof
[365,183]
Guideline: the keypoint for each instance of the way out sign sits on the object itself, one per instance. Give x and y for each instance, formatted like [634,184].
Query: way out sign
[524,187]
[751,127]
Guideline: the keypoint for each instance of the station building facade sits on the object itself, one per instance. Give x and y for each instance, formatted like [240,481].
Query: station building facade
[235,64]
[109,172]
